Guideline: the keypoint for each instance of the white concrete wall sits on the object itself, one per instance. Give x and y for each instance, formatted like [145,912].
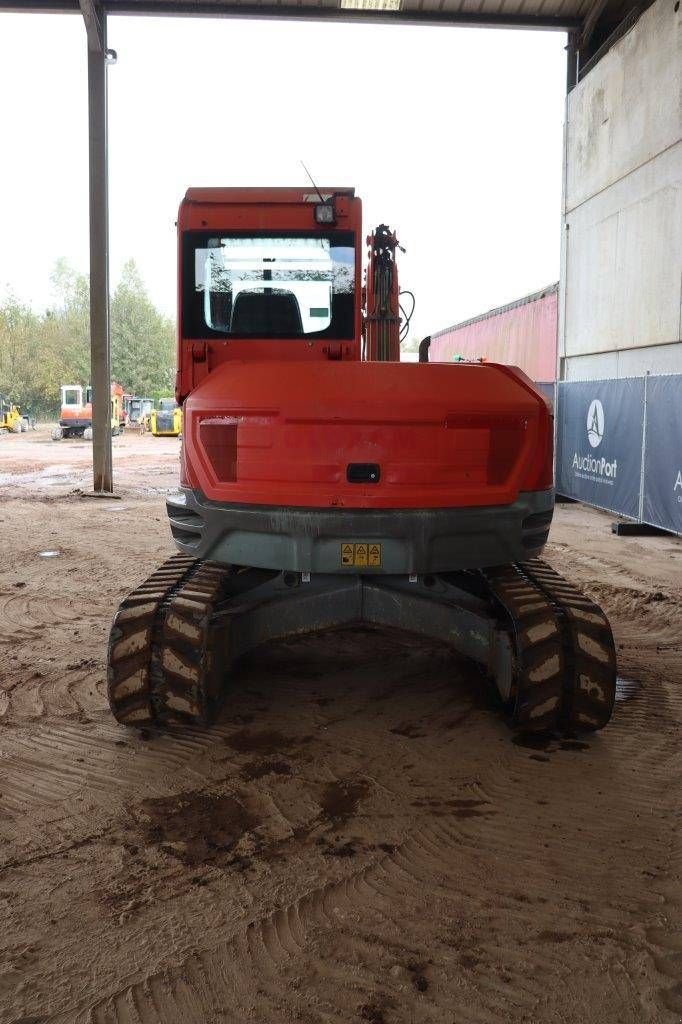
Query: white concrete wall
[620,301]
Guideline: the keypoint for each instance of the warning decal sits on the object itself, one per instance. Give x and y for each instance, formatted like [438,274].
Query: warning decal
[361,555]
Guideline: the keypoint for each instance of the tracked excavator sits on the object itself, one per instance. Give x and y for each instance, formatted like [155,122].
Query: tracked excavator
[324,484]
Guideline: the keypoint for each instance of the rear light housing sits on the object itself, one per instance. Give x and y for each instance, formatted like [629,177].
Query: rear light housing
[218,436]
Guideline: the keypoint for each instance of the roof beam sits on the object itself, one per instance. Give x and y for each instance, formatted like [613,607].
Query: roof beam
[95,20]
[593,15]
[289,12]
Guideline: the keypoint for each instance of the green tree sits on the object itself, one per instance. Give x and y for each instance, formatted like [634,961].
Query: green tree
[40,352]
[142,339]
[31,359]
[67,324]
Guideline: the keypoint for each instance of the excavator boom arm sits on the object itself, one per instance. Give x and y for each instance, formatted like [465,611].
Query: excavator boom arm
[382,298]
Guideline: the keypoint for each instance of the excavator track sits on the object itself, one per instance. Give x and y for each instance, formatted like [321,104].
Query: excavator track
[171,641]
[132,638]
[166,652]
[589,686]
[189,657]
[539,665]
[565,670]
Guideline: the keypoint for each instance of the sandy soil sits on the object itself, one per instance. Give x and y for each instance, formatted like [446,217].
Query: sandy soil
[358,839]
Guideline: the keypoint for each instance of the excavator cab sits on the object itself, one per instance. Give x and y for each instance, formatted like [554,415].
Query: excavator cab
[325,484]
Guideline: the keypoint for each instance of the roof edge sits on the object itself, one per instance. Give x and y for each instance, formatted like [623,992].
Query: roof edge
[273,194]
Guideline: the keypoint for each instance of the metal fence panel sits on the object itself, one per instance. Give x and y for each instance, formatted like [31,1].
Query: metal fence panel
[662,477]
[599,443]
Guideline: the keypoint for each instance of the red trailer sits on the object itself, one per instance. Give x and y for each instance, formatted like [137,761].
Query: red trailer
[523,334]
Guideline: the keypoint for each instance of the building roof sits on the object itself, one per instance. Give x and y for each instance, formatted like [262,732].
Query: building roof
[557,14]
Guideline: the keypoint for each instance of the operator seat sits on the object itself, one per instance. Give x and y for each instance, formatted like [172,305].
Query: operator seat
[264,313]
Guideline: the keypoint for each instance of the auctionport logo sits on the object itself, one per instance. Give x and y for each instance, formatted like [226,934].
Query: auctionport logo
[590,467]
[677,489]
[595,423]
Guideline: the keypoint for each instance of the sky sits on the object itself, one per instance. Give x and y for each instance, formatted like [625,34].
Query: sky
[452,136]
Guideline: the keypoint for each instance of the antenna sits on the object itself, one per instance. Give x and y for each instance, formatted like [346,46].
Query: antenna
[313,183]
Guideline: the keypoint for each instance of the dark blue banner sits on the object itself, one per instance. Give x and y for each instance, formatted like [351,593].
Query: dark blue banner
[599,443]
[662,504]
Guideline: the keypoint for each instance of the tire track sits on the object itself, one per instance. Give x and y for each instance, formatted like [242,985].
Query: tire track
[391,890]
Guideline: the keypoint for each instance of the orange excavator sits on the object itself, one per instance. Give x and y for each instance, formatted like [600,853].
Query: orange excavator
[75,415]
[325,484]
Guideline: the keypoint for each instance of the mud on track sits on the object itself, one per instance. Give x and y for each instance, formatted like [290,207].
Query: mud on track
[357,839]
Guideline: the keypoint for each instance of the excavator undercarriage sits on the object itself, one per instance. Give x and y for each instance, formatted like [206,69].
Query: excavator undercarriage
[548,647]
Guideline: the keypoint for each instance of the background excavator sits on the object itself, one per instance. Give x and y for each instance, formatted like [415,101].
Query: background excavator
[75,414]
[324,484]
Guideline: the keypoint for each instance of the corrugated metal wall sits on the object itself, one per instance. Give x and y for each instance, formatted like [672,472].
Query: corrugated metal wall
[523,334]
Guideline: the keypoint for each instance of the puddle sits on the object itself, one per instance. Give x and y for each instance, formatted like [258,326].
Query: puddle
[626,689]
[49,554]
[48,474]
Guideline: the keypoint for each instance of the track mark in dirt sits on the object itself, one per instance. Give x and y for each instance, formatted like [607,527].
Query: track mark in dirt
[533,741]
[342,850]
[267,741]
[195,827]
[469,808]
[419,979]
[259,769]
[459,719]
[552,936]
[340,799]
[457,808]
[373,1013]
[409,729]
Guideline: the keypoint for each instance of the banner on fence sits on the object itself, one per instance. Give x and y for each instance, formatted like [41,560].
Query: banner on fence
[599,443]
[662,503]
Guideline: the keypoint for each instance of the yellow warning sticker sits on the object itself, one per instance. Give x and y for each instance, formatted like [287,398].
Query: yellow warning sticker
[361,554]
[347,554]
[374,554]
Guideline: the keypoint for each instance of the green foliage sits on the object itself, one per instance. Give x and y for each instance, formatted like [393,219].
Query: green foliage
[40,352]
[142,346]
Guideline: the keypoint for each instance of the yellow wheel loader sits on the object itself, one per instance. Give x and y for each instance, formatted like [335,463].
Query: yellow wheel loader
[11,420]
[166,420]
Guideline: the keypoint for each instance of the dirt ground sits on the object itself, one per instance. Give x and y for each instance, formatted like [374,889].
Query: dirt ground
[358,839]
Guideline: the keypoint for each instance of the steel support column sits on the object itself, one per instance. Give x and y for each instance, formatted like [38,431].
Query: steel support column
[100,351]
[571,61]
